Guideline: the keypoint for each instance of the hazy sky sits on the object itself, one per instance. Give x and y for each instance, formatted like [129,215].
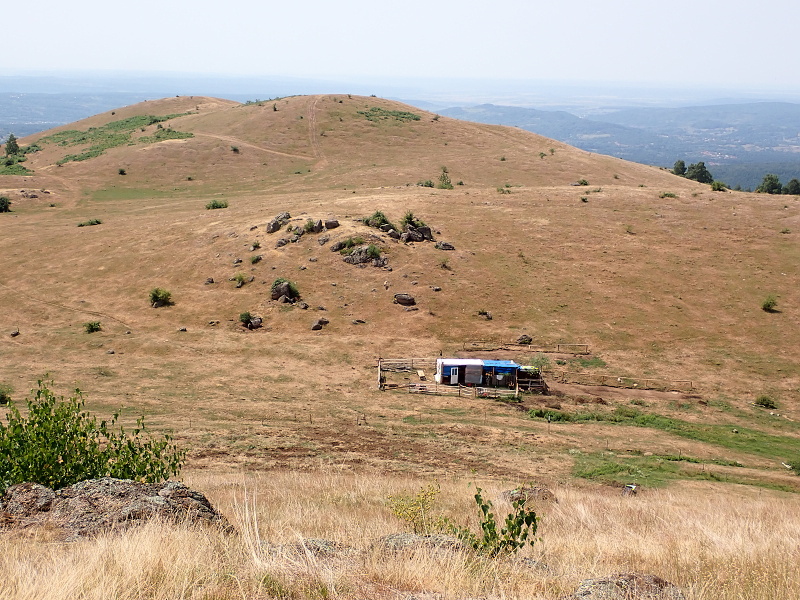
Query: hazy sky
[731,43]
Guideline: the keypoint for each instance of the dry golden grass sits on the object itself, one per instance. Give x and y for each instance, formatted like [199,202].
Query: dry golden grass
[715,542]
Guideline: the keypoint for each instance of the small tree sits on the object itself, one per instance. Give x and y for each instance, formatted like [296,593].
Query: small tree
[679,168]
[5,204]
[792,188]
[57,443]
[770,185]
[12,147]
[444,180]
[698,172]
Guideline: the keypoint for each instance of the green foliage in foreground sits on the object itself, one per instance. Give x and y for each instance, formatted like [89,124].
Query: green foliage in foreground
[214,204]
[417,509]
[376,114]
[518,530]
[57,443]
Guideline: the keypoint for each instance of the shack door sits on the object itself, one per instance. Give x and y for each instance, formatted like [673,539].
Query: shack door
[453,375]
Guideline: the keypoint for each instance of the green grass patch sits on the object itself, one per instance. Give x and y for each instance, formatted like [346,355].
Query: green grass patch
[589,363]
[729,436]
[111,135]
[376,114]
[90,222]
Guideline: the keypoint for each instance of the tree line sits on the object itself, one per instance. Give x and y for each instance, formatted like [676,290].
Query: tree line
[771,183]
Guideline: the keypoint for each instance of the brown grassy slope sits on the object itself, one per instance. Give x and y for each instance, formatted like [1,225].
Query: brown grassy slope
[660,287]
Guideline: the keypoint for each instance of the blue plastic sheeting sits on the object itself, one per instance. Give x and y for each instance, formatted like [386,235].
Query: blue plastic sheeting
[500,366]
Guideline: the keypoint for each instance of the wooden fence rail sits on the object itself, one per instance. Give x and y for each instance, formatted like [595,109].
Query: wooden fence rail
[460,390]
[620,381]
[489,346]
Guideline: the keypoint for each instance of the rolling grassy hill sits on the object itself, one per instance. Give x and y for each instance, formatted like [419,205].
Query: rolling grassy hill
[660,276]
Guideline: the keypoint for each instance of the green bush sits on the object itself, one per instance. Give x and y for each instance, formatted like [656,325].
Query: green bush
[373,251]
[718,186]
[410,219]
[160,297]
[5,204]
[245,318]
[769,304]
[377,219]
[57,443]
[122,171]
[92,326]
[309,226]
[350,243]
[667,195]
[416,509]
[425,183]
[255,259]
[583,182]
[5,393]
[520,529]
[766,402]
[214,204]
[90,222]
[444,180]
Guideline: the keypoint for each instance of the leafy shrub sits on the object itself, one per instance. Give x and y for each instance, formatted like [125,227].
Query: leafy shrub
[377,219]
[240,279]
[255,245]
[160,297]
[718,186]
[769,304]
[416,509]
[5,204]
[90,222]
[410,219]
[373,251]
[350,243]
[309,226]
[5,393]
[235,149]
[667,195]
[255,259]
[519,530]
[583,182]
[426,183]
[766,402]
[550,415]
[92,326]
[122,171]
[214,204]
[58,444]
[245,318]
[503,190]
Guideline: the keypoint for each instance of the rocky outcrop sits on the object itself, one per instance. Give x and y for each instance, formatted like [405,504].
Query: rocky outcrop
[529,494]
[444,246]
[278,222]
[99,505]
[626,586]
[331,223]
[396,542]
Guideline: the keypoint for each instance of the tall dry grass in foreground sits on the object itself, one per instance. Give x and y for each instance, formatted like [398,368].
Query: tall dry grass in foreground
[716,542]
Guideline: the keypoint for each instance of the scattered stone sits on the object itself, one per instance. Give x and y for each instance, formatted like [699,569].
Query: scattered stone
[278,222]
[410,308]
[237,261]
[284,300]
[525,340]
[281,242]
[404,299]
[14,333]
[394,234]
[303,267]
[412,234]
[312,259]
[284,288]
[358,322]
[526,494]
[213,323]
[444,246]
[436,288]
[209,280]
[321,308]
[295,238]
[303,306]
[426,232]
[182,329]
[627,586]
[323,240]
[319,324]
[110,352]
[336,246]
[331,223]
[255,323]
[385,228]
[317,227]
[253,227]
[415,283]
[101,505]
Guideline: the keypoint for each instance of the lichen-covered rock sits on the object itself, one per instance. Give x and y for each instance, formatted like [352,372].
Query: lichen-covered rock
[331,223]
[278,222]
[107,504]
[627,586]
[396,542]
[530,493]
[404,299]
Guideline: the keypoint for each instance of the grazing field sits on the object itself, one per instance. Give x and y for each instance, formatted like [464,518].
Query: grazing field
[661,278]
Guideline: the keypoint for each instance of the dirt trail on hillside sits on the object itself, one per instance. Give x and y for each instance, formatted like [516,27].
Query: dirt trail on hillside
[238,142]
[313,135]
[18,295]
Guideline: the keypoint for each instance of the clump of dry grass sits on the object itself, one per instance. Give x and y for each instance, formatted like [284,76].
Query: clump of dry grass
[743,548]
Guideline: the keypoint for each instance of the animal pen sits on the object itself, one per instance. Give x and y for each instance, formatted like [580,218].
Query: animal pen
[468,377]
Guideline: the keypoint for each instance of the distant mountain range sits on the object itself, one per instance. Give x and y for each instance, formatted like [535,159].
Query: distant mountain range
[738,142]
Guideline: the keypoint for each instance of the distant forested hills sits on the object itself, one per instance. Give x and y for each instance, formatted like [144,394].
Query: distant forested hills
[739,143]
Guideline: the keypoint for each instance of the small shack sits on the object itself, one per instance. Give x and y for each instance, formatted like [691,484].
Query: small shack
[459,371]
[500,373]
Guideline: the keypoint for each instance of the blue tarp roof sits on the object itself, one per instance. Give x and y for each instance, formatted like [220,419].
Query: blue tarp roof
[500,364]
